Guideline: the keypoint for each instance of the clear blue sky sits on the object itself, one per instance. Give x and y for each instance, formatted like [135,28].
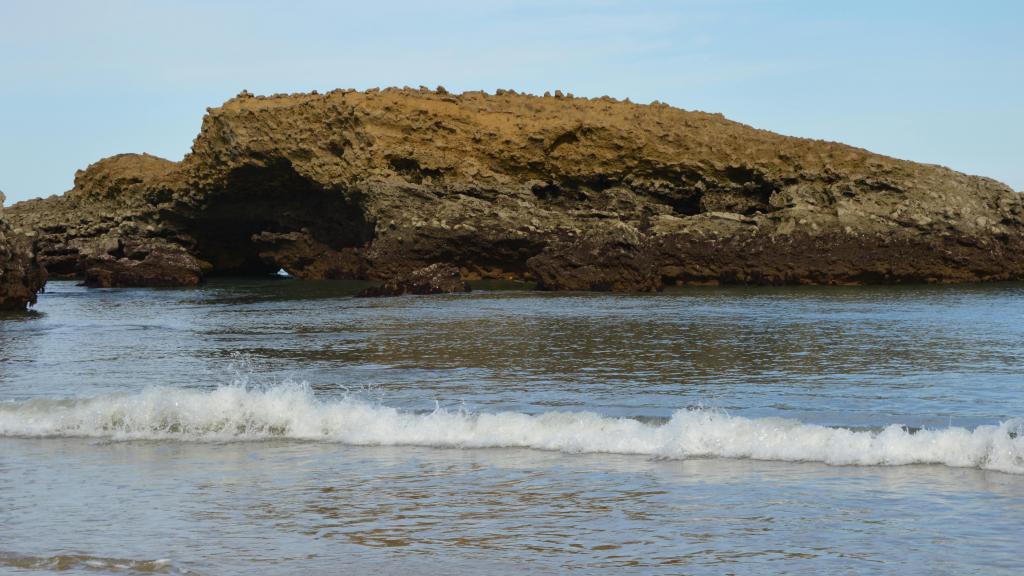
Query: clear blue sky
[935,81]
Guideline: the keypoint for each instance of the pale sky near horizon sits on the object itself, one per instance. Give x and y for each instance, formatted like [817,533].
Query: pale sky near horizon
[933,81]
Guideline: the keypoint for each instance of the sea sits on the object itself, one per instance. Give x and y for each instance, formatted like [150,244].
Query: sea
[276,426]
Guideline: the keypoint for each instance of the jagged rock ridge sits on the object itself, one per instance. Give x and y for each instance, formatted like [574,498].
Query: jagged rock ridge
[582,194]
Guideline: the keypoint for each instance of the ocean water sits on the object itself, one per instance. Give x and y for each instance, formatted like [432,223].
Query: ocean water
[282,427]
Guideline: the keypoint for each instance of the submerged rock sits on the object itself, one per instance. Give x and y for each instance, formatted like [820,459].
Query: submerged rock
[572,193]
[21,275]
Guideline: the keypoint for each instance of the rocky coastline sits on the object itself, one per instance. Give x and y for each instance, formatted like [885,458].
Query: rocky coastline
[570,193]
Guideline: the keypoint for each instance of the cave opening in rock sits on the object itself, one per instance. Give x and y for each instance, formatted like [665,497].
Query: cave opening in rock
[269,218]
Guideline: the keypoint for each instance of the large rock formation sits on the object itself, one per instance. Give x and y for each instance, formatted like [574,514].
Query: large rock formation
[581,194]
[21,276]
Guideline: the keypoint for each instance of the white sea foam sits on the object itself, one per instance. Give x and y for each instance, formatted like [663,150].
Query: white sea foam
[291,411]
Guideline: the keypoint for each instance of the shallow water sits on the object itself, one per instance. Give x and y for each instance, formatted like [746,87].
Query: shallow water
[280,426]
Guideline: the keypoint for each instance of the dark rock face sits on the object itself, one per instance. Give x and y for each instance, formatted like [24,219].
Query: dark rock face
[436,278]
[575,194]
[21,275]
[610,258]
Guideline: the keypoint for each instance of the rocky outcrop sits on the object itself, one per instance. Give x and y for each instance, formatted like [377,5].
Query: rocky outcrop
[21,276]
[613,257]
[572,193]
[437,278]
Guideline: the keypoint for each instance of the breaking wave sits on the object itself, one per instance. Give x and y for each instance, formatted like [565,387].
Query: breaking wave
[81,562]
[235,413]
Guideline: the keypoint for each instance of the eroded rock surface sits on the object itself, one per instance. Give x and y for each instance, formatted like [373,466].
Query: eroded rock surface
[21,275]
[437,278]
[580,194]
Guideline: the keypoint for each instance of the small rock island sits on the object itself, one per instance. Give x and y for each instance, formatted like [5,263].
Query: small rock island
[400,185]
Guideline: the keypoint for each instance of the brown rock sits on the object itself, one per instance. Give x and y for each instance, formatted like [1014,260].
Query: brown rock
[436,278]
[21,275]
[608,259]
[159,264]
[301,255]
[570,192]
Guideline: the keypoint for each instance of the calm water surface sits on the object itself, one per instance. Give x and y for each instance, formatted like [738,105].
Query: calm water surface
[278,426]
